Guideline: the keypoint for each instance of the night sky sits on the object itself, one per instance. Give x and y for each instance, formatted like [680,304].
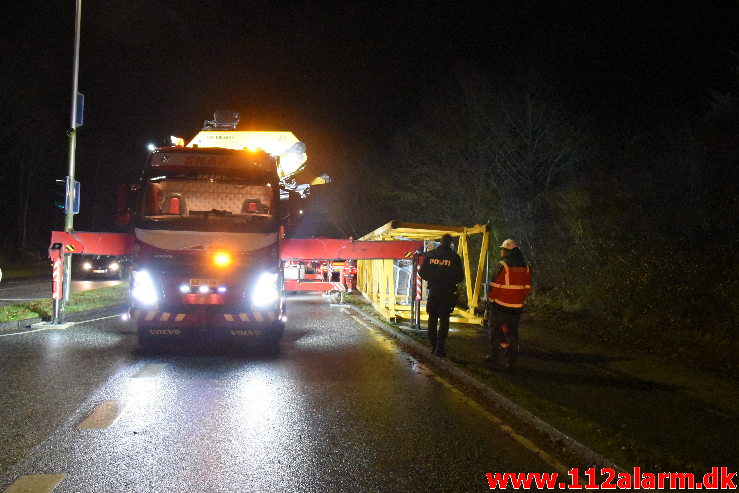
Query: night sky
[344,77]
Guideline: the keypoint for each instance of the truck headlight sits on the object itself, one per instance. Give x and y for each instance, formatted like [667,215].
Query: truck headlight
[143,288]
[265,291]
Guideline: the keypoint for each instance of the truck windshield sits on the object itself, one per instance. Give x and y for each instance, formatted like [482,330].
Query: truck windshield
[212,201]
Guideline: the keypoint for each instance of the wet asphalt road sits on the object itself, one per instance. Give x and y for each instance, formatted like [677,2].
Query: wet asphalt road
[24,290]
[339,408]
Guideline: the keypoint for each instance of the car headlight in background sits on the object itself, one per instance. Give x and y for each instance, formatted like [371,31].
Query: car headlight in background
[265,291]
[114,266]
[87,266]
[143,288]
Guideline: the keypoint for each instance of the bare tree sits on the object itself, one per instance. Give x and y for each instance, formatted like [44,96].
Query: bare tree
[490,151]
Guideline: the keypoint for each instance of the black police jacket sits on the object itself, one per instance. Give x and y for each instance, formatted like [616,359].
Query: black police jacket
[442,268]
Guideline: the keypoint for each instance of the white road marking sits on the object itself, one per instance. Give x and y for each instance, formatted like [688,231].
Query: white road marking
[35,483]
[48,326]
[102,416]
[96,319]
[150,370]
[558,466]
[51,327]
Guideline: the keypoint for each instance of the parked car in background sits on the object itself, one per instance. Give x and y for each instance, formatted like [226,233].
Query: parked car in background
[105,266]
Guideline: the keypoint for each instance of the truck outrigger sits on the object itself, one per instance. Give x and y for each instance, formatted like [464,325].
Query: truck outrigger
[204,228]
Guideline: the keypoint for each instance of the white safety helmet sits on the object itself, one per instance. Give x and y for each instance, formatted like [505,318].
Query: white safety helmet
[509,244]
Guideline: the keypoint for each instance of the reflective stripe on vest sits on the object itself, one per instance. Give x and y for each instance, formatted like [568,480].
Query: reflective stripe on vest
[511,286]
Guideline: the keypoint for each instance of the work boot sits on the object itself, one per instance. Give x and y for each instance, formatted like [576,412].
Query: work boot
[491,358]
[432,344]
[509,358]
[440,349]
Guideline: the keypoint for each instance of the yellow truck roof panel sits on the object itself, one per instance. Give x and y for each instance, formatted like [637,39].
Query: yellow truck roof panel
[278,144]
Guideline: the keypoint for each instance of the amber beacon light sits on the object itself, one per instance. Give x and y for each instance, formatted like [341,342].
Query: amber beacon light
[222,259]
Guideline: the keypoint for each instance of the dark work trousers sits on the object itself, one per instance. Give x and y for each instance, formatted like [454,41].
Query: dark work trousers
[503,333]
[439,311]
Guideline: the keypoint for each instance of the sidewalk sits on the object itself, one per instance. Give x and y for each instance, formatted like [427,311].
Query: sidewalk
[628,408]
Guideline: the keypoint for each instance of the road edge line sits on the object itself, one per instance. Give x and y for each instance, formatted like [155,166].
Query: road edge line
[582,451]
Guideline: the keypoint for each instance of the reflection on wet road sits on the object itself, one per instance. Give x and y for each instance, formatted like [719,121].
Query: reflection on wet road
[340,408]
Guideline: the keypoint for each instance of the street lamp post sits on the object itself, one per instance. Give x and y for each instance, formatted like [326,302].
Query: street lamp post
[71,190]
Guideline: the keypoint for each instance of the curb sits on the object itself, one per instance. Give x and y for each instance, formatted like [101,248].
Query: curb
[107,310]
[585,453]
[70,317]
[18,324]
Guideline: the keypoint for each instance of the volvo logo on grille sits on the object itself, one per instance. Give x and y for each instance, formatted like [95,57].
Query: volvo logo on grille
[165,332]
[246,332]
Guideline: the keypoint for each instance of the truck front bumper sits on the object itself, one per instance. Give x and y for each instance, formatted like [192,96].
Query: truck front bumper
[218,321]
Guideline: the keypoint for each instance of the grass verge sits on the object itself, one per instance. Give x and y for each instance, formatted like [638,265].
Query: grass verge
[691,345]
[86,300]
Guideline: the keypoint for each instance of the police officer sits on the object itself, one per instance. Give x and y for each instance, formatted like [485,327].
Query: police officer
[442,268]
[506,298]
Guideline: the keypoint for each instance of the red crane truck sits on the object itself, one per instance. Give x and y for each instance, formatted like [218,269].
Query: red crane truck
[206,246]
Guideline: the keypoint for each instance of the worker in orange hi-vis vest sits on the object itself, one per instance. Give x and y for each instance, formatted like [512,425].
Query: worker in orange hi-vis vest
[506,297]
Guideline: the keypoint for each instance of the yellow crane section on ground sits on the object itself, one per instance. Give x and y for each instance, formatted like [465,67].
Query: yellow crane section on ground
[378,280]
